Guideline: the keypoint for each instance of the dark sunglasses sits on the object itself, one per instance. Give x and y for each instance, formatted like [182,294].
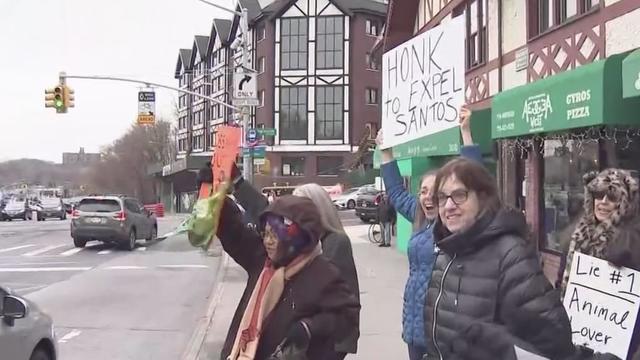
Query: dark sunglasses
[611,196]
[457,196]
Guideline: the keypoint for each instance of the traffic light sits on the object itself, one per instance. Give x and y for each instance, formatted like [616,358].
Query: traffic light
[55,98]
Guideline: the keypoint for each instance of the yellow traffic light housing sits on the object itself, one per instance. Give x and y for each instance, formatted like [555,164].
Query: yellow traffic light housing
[68,97]
[49,98]
[58,101]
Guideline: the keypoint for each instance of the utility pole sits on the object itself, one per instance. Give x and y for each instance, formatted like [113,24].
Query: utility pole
[245,110]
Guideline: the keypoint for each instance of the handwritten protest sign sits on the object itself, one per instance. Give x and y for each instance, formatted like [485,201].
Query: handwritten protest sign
[224,154]
[423,84]
[602,302]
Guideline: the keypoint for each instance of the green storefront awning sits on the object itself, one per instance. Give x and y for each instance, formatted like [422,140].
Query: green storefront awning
[631,75]
[586,96]
[446,142]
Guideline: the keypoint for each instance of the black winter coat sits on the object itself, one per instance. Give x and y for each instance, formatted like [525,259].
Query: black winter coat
[335,247]
[486,273]
[315,294]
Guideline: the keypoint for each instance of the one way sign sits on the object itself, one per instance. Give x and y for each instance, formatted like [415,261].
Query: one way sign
[245,89]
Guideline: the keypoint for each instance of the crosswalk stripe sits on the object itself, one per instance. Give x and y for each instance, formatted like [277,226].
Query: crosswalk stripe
[43,250]
[105,252]
[71,251]
[15,248]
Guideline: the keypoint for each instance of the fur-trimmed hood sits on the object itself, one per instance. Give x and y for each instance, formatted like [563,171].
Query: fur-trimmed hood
[615,238]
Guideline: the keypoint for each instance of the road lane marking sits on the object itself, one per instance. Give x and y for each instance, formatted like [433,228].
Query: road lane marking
[125,267]
[183,266]
[16,248]
[71,252]
[70,335]
[43,250]
[105,252]
[44,269]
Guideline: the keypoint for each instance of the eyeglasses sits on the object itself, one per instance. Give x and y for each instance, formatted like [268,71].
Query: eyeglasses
[611,196]
[457,196]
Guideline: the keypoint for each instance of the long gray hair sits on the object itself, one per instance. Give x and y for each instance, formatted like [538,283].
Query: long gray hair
[328,213]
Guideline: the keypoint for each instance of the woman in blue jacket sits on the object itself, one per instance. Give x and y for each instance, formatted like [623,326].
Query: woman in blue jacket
[421,211]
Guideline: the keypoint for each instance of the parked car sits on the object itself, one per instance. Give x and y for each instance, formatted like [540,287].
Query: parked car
[17,209]
[112,219]
[51,208]
[367,206]
[26,333]
[348,198]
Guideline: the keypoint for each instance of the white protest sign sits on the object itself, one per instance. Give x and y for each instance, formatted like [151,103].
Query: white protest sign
[602,303]
[423,84]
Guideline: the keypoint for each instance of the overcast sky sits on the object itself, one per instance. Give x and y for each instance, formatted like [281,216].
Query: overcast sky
[128,38]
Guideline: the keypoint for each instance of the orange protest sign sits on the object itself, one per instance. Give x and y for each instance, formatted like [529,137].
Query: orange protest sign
[224,154]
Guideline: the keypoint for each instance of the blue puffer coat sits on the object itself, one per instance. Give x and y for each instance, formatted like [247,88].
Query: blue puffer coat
[420,251]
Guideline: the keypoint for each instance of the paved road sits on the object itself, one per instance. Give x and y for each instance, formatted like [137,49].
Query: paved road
[108,303]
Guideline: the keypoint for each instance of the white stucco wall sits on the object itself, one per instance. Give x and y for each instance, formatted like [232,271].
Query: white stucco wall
[492,28]
[512,78]
[623,33]
[514,19]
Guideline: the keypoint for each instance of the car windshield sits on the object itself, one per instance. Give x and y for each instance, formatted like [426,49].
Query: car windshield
[99,205]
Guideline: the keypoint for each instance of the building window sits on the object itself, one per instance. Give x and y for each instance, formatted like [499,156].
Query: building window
[198,142]
[293,113]
[545,14]
[372,96]
[293,166]
[261,64]
[182,145]
[329,42]
[564,164]
[261,98]
[372,64]
[261,32]
[329,165]
[329,113]
[372,27]
[182,122]
[476,24]
[293,47]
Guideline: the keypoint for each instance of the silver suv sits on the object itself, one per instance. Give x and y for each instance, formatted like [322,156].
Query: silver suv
[26,333]
[112,219]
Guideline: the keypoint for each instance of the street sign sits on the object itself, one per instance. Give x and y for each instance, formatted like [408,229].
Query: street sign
[252,135]
[259,161]
[245,89]
[258,151]
[146,107]
[267,132]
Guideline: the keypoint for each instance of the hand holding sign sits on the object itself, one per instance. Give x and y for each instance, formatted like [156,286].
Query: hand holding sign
[387,154]
[465,118]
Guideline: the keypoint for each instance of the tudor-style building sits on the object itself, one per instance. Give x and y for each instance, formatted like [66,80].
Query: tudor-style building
[318,86]
[183,75]
[519,49]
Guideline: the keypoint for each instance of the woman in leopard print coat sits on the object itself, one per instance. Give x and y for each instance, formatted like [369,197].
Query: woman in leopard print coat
[610,226]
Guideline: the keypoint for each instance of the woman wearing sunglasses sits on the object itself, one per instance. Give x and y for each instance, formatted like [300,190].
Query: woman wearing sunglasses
[485,267]
[609,229]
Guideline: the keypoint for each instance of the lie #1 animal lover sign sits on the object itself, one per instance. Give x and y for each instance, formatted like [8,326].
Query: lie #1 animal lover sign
[423,84]
[602,303]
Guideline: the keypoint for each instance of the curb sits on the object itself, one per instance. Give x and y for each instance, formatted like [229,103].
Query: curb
[194,348]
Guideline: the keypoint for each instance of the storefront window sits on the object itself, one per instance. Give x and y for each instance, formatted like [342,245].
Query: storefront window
[565,161]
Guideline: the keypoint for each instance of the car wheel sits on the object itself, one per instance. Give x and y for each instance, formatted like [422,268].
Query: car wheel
[154,233]
[79,243]
[40,354]
[131,243]
[351,204]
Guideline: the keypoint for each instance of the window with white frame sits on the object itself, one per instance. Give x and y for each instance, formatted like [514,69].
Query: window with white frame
[329,165]
[261,32]
[329,113]
[293,43]
[293,113]
[262,64]
[329,42]
[372,27]
[372,96]
[372,64]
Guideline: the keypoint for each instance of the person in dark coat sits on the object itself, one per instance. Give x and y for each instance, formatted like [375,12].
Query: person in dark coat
[421,211]
[294,295]
[609,229]
[485,267]
[386,215]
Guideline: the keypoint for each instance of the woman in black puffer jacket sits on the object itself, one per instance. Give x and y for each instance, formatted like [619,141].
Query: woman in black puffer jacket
[485,267]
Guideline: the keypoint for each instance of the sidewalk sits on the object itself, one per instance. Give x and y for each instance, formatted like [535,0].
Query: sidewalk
[382,273]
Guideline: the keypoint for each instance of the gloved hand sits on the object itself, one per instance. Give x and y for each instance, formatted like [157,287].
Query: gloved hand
[299,334]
